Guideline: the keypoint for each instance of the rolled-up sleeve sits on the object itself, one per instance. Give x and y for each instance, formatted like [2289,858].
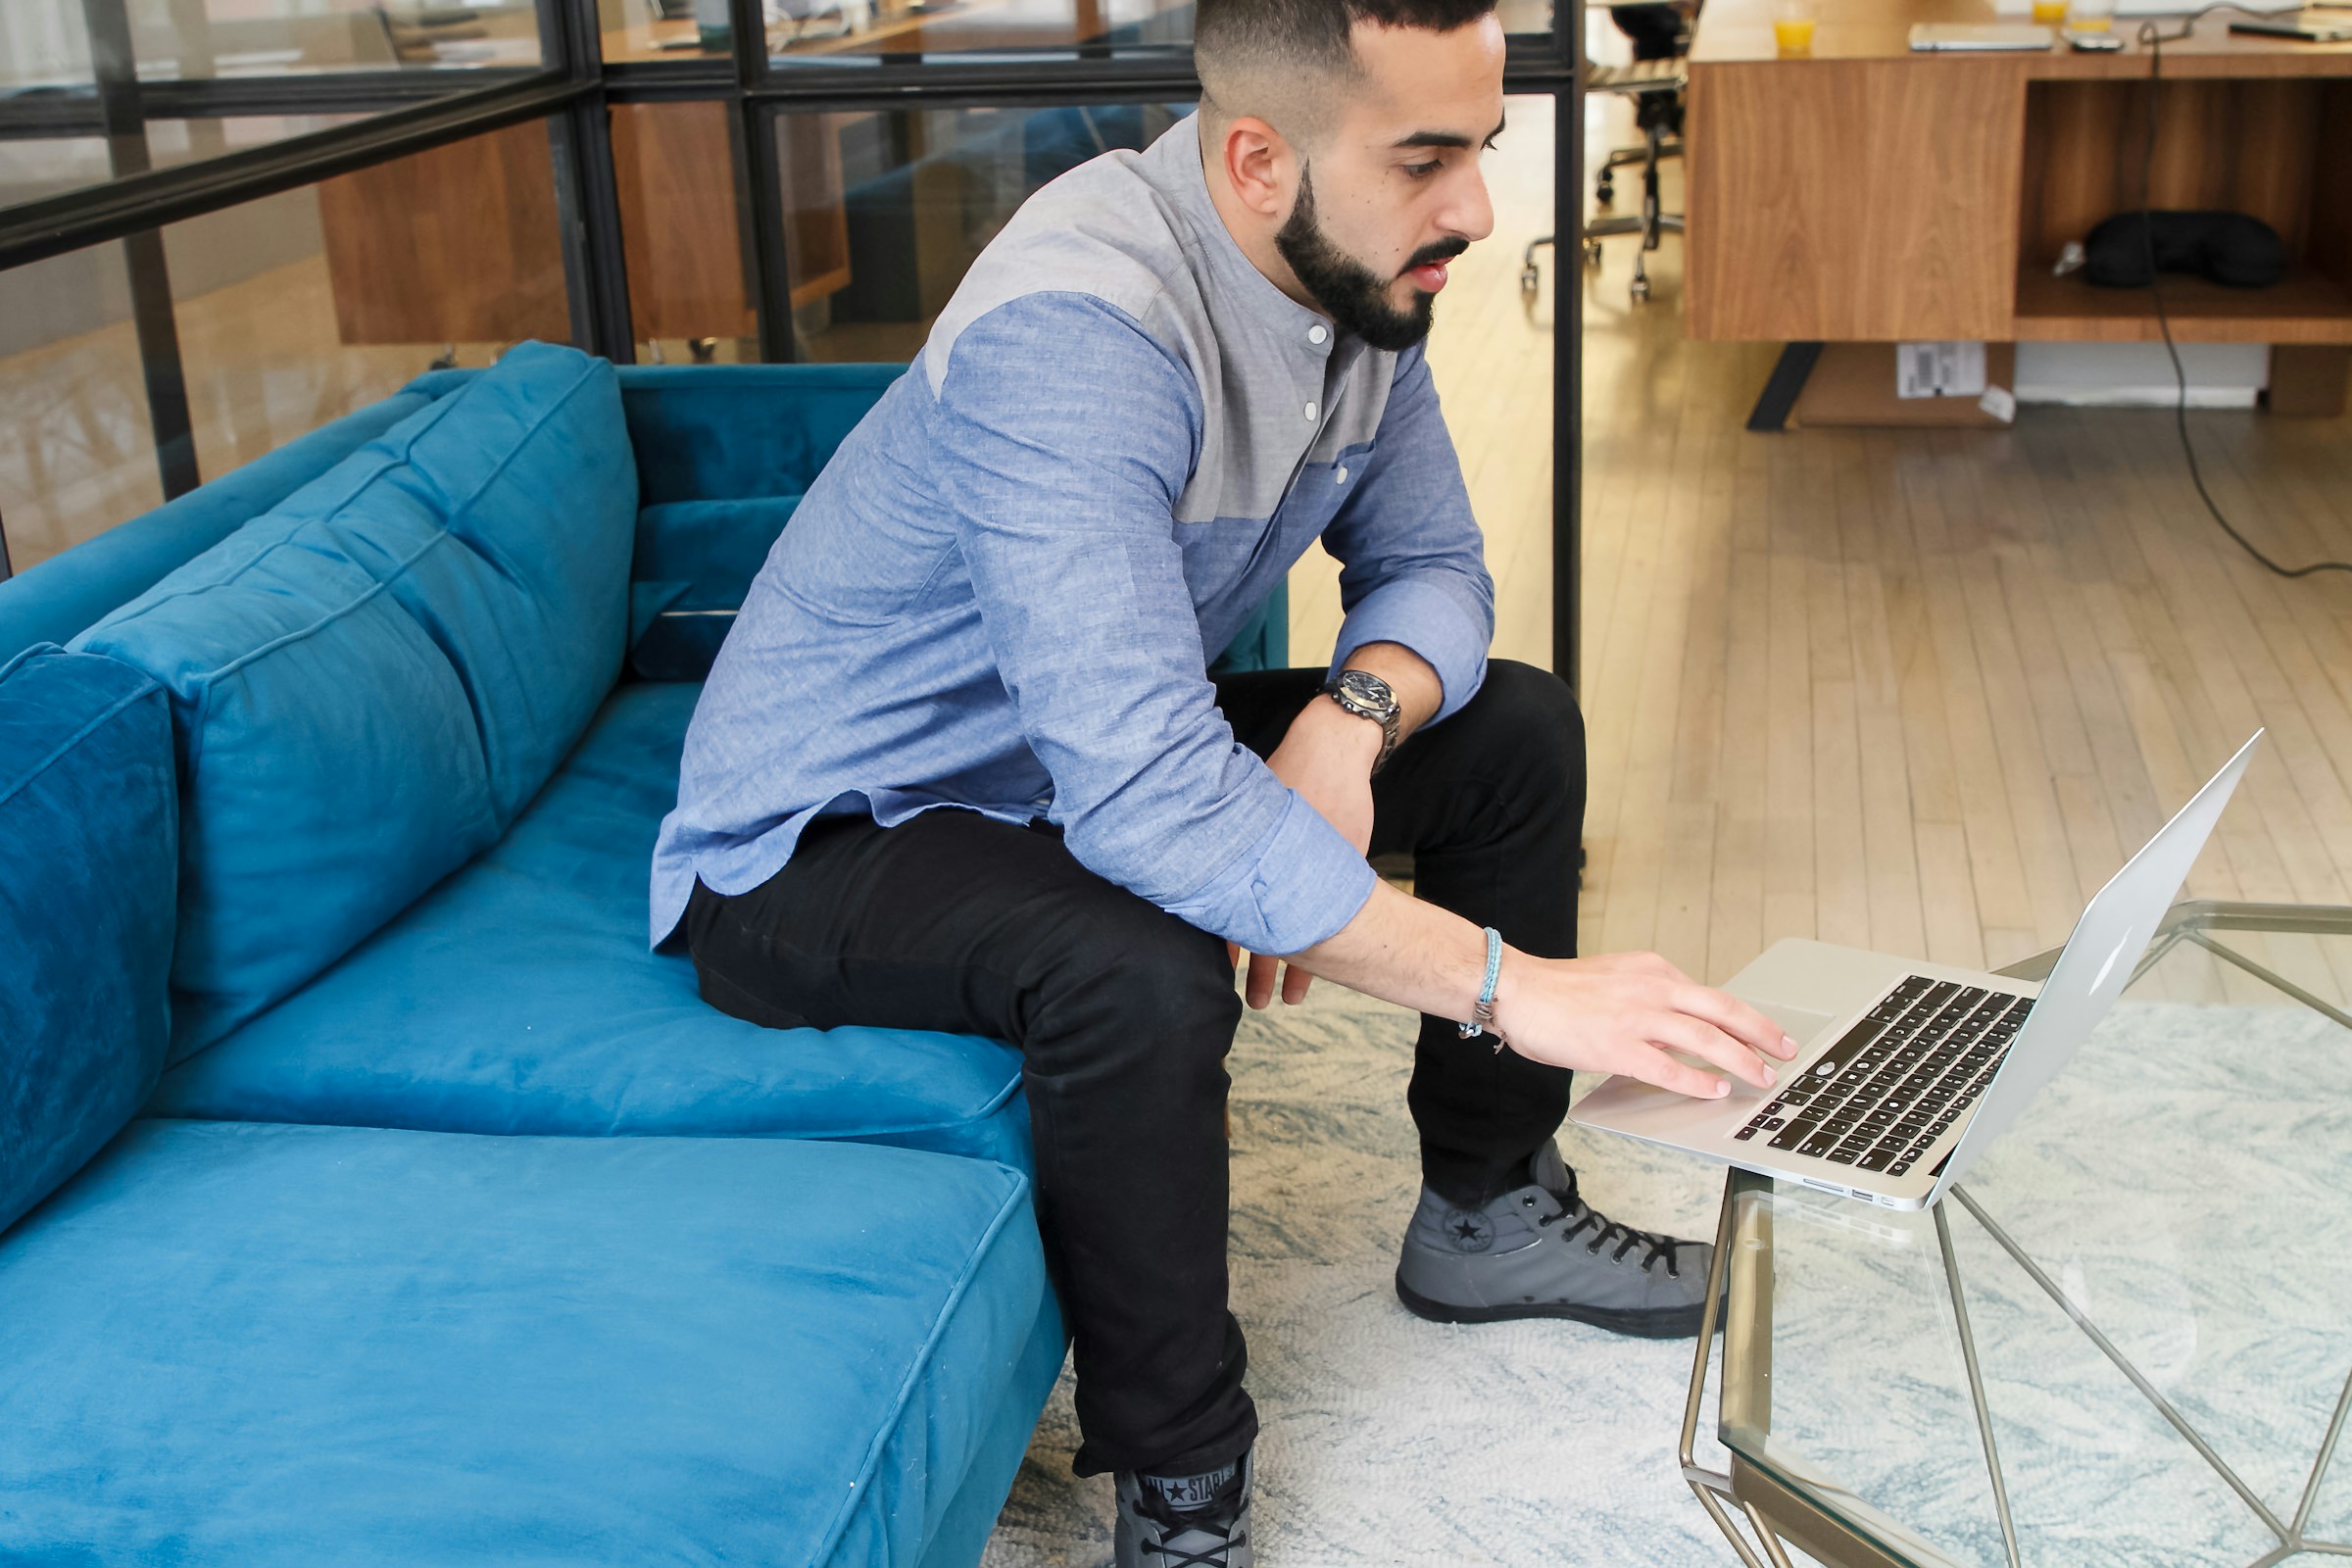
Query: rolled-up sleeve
[1068,434]
[1412,562]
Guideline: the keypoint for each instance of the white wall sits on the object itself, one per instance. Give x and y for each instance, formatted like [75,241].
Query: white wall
[2221,376]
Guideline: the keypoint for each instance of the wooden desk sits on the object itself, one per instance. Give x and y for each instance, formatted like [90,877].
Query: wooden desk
[1866,193]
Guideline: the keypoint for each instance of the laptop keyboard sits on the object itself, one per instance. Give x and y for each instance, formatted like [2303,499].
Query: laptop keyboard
[1878,1098]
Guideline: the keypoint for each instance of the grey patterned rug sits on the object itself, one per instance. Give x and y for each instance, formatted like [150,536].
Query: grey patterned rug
[1388,1440]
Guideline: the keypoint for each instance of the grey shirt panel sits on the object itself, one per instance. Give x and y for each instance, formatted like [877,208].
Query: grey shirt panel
[1278,388]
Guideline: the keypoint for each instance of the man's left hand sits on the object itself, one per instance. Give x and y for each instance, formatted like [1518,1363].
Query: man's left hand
[1326,756]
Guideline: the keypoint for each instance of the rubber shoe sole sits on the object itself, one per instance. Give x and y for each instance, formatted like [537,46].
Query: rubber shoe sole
[1664,1323]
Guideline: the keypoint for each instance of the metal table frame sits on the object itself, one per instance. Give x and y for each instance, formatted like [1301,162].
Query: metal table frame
[1778,1513]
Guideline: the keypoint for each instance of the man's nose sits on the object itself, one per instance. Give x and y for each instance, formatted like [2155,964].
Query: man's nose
[1471,214]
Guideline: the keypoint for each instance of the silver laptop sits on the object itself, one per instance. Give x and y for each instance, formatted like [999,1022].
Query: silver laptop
[1930,38]
[1906,1071]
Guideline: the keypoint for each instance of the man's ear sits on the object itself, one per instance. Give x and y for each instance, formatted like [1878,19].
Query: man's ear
[1260,166]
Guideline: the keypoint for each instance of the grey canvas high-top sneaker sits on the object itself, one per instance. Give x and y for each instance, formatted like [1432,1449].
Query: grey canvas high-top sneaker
[1184,1521]
[1539,1251]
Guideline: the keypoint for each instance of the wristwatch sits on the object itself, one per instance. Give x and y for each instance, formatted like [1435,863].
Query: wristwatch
[1367,696]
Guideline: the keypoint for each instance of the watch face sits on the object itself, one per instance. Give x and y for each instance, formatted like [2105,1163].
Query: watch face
[1367,689]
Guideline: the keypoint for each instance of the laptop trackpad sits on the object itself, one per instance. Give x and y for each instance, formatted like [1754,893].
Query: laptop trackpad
[1800,1023]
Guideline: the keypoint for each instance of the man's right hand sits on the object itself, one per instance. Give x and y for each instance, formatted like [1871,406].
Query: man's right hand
[1621,1012]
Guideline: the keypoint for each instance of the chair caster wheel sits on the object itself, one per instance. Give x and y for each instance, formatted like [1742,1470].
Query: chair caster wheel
[1641,288]
[1604,195]
[1530,280]
[1591,253]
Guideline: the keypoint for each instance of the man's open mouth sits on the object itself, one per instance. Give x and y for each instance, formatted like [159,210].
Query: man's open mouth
[1426,271]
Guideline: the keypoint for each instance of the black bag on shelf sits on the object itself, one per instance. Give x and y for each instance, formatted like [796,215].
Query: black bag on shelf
[2228,248]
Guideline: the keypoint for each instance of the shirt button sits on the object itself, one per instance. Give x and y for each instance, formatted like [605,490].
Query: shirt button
[1317,332]
[1340,477]
[1310,411]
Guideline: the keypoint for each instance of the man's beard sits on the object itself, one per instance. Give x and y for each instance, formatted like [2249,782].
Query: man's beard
[1355,296]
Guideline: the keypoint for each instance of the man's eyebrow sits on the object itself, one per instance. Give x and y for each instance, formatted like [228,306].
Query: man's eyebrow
[1443,138]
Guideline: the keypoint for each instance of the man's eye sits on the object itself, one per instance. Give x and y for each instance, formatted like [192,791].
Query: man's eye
[1423,170]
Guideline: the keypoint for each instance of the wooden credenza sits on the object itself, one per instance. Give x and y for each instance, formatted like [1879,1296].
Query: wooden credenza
[1863,193]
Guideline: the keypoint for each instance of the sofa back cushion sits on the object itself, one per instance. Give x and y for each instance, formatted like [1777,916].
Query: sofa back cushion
[502,521]
[694,567]
[86,867]
[371,681]
[53,601]
[724,454]
[732,432]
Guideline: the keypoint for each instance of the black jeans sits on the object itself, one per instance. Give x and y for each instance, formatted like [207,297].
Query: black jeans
[1124,1015]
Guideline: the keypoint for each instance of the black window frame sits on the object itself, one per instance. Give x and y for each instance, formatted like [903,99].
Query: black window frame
[412,111]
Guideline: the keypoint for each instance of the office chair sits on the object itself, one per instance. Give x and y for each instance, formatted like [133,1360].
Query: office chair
[1656,88]
[1655,80]
[416,32]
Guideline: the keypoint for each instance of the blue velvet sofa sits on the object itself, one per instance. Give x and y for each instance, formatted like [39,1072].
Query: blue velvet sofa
[367,1191]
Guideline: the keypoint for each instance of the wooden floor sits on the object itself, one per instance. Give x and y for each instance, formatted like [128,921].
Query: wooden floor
[1923,691]
[263,364]
[1490,356]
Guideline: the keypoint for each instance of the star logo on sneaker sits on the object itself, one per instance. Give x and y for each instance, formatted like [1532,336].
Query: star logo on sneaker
[1469,1231]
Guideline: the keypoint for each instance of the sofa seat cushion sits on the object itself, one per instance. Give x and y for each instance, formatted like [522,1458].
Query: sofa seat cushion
[86,873]
[237,1343]
[518,997]
[369,682]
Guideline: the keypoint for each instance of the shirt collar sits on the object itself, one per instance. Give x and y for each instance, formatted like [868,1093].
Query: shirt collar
[1233,279]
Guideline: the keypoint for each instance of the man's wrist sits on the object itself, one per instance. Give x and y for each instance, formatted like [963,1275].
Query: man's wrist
[1505,988]
[1481,1010]
[1361,737]
[1409,677]
[1365,696]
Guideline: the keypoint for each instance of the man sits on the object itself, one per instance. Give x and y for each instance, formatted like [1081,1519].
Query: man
[1172,373]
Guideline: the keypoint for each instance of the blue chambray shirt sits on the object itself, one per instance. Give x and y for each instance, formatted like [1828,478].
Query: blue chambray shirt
[1003,592]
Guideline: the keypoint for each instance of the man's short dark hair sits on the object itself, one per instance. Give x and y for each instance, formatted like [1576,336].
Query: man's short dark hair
[1244,49]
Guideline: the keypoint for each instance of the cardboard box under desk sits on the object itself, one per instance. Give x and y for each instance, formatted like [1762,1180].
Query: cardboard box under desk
[1853,384]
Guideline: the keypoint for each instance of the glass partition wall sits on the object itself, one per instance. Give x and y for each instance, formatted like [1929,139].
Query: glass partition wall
[224,223]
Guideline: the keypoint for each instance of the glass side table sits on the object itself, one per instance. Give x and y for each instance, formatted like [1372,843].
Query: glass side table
[2126,1339]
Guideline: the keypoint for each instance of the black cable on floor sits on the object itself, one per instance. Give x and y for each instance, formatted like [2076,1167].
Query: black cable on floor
[2153,40]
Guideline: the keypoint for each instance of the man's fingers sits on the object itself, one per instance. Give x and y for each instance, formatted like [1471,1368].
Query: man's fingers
[1694,1037]
[1258,989]
[1233,954]
[1654,1066]
[1734,1017]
